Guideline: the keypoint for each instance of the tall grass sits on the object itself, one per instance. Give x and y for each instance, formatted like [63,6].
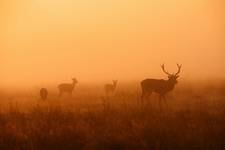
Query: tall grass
[195,119]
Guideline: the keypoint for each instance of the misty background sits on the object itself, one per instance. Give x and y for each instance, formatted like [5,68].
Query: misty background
[50,41]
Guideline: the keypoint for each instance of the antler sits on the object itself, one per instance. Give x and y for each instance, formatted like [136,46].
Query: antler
[179,67]
[163,68]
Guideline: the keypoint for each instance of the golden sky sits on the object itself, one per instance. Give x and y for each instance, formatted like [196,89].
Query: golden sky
[46,41]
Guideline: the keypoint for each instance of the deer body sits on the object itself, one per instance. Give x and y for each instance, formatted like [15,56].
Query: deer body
[67,88]
[156,85]
[110,88]
[160,86]
[43,93]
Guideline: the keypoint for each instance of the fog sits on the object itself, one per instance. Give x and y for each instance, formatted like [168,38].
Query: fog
[50,41]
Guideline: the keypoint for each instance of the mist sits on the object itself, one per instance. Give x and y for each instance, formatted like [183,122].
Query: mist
[46,41]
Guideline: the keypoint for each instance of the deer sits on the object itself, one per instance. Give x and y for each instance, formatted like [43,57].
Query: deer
[43,93]
[160,86]
[67,88]
[110,88]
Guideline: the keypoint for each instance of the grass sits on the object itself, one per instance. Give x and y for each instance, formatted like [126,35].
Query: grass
[195,119]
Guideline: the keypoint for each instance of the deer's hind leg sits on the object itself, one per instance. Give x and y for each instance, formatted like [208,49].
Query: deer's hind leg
[145,95]
[162,97]
[142,96]
[70,93]
[160,102]
[60,94]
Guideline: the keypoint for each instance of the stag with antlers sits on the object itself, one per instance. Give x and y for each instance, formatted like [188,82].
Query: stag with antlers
[160,86]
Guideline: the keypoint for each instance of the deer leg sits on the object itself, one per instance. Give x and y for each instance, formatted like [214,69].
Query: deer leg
[70,93]
[160,102]
[143,97]
[113,94]
[106,94]
[60,94]
[147,97]
[164,99]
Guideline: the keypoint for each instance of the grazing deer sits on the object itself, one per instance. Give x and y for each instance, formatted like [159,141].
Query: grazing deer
[160,86]
[43,93]
[110,88]
[67,88]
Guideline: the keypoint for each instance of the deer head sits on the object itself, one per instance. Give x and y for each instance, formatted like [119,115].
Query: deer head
[74,80]
[172,77]
[115,82]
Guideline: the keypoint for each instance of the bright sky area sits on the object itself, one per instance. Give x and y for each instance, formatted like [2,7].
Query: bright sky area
[47,41]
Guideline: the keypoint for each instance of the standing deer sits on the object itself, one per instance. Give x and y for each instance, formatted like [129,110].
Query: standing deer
[110,88]
[67,88]
[43,93]
[160,86]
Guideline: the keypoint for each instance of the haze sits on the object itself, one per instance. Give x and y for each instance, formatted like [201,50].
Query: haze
[48,41]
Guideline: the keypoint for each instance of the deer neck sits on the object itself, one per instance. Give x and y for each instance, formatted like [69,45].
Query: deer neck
[170,85]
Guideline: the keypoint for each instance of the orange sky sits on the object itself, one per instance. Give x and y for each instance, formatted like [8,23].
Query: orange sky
[47,41]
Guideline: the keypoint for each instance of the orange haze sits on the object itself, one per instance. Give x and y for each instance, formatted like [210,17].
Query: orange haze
[48,41]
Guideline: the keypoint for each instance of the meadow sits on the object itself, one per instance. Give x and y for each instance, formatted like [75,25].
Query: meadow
[194,119]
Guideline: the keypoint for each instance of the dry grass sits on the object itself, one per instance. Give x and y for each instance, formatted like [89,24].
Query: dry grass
[195,119]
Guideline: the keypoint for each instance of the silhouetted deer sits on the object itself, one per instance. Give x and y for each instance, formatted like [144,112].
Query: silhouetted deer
[43,93]
[110,88]
[160,86]
[67,88]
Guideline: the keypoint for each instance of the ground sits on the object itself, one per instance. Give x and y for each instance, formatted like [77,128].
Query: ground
[194,119]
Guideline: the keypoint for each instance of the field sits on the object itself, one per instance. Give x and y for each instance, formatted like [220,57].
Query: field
[194,119]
